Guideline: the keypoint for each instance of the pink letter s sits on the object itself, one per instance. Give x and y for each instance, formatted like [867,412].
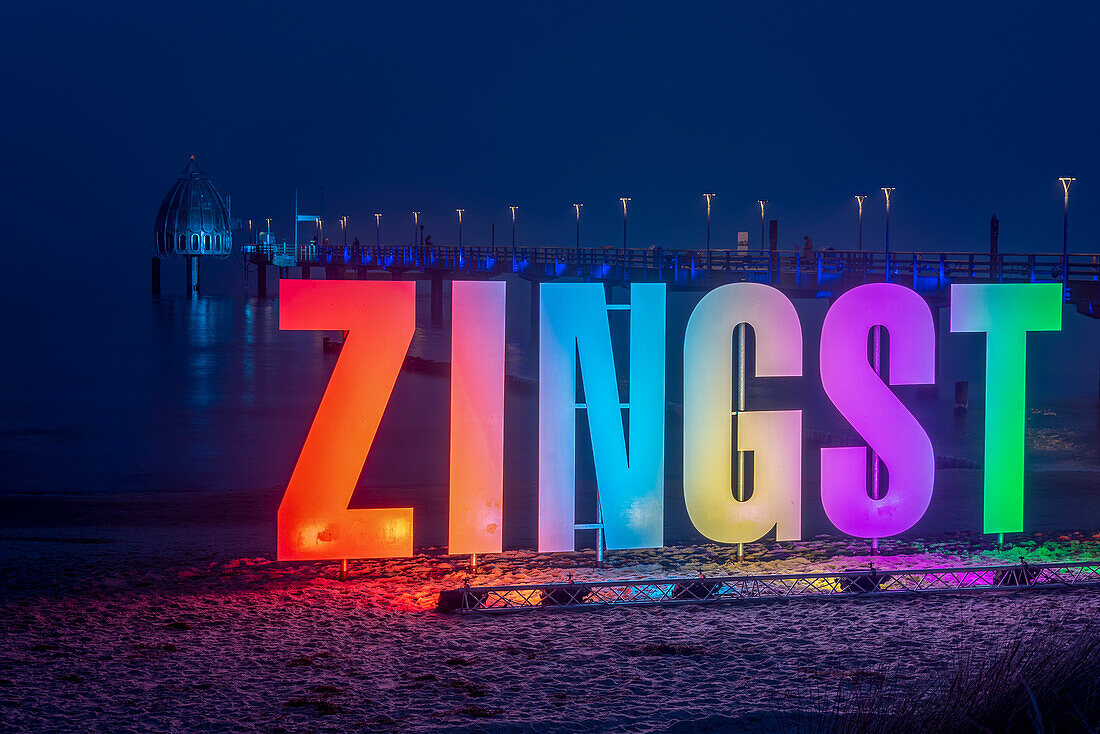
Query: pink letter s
[875,412]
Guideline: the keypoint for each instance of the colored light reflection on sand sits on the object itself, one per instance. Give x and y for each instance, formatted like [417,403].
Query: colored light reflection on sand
[477,416]
[775,437]
[1005,312]
[314,522]
[572,324]
[875,412]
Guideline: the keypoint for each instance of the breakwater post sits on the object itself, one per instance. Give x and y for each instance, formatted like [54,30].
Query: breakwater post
[261,276]
[437,298]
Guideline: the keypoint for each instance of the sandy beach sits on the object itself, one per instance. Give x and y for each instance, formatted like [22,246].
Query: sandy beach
[181,624]
[550,275]
[134,609]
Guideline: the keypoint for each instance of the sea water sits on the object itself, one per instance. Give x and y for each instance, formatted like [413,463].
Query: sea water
[118,392]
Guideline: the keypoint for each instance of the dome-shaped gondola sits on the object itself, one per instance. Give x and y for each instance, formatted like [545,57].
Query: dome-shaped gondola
[193,218]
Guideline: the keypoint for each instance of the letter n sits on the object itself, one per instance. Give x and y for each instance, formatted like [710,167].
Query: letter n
[573,323]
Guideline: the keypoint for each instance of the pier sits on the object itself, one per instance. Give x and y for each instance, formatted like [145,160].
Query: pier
[798,273]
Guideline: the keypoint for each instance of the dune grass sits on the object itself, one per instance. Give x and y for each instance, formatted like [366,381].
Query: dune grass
[1047,682]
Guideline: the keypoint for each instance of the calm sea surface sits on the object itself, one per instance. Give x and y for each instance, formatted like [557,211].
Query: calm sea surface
[119,392]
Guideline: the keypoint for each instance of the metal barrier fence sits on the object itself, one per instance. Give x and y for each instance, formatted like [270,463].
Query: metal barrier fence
[491,599]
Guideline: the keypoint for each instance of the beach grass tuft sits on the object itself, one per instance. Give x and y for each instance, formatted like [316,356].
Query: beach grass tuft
[1041,681]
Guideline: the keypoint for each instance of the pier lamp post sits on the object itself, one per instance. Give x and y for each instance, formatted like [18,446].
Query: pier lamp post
[344,229]
[763,203]
[860,198]
[876,359]
[624,200]
[268,220]
[416,224]
[460,226]
[1066,181]
[887,190]
[513,208]
[577,207]
[708,196]
[377,229]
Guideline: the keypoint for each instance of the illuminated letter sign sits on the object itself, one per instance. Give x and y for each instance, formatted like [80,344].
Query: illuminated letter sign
[628,438]
[1005,312]
[775,436]
[477,416]
[630,484]
[875,412]
[314,520]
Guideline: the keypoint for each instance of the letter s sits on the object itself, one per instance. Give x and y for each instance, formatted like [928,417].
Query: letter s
[875,412]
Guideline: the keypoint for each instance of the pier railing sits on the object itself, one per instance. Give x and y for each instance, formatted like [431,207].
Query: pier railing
[788,267]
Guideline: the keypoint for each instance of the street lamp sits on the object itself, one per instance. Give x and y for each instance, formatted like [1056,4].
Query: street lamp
[860,198]
[377,229]
[708,196]
[1067,181]
[513,208]
[577,206]
[416,225]
[344,229]
[762,203]
[887,190]
[877,356]
[624,199]
[460,226]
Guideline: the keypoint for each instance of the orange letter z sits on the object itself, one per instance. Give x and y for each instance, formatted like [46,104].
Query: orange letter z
[314,520]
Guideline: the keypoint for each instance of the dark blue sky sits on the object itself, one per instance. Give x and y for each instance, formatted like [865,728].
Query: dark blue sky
[968,110]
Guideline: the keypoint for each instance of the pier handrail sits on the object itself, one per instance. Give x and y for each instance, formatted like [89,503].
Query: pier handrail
[623,263]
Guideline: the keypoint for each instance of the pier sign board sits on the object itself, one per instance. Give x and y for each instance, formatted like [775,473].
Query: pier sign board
[315,522]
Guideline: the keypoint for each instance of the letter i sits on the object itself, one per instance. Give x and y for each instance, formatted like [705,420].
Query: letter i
[477,417]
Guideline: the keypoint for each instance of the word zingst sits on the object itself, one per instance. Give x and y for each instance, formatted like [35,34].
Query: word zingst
[315,523]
